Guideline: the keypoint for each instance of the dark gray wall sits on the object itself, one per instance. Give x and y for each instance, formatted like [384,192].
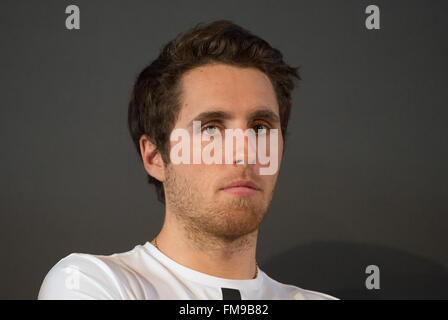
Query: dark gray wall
[364,179]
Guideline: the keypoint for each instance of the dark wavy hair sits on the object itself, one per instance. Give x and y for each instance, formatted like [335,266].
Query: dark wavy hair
[155,100]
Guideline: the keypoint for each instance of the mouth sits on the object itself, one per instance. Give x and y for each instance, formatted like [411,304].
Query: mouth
[242,188]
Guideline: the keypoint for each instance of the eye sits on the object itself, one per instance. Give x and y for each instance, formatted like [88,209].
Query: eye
[261,126]
[210,130]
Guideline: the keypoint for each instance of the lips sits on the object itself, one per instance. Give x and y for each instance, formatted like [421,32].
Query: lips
[242,184]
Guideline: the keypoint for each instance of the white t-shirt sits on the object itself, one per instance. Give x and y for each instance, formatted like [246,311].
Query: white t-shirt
[146,273]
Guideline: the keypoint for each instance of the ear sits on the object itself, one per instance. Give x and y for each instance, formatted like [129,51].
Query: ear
[152,159]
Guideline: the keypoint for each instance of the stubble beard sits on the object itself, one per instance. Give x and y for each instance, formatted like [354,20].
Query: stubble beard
[210,218]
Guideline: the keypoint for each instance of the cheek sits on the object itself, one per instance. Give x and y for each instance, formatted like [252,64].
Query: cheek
[186,171]
[198,175]
[280,152]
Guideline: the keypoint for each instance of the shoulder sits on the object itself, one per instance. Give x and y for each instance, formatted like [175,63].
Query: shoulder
[79,276]
[291,292]
[88,276]
[303,294]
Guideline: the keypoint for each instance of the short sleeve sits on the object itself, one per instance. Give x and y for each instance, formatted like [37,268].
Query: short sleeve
[80,277]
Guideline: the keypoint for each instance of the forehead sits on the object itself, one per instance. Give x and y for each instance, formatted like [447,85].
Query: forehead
[227,88]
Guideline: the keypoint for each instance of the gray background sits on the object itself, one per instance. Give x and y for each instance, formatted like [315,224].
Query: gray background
[364,179]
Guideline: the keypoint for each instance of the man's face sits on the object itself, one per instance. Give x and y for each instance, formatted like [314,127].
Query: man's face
[194,192]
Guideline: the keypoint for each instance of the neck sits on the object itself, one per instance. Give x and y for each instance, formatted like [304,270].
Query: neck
[223,258]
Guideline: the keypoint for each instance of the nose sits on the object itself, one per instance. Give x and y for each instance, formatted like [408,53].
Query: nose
[244,151]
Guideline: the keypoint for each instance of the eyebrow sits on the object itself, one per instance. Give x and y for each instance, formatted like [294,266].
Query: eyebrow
[266,114]
[263,113]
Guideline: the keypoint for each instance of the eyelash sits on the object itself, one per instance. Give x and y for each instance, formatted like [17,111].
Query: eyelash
[212,125]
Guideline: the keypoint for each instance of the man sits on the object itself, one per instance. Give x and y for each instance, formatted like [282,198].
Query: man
[222,76]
